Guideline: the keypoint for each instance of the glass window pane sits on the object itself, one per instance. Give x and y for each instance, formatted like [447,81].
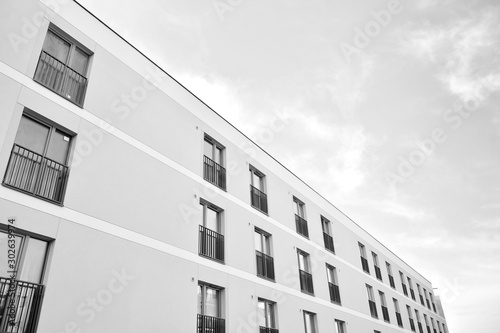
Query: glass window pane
[4,247]
[212,302]
[303,262]
[212,221]
[58,147]
[34,261]
[79,61]
[262,314]
[208,149]
[256,181]
[56,47]
[258,242]
[218,155]
[32,135]
[266,245]
[200,299]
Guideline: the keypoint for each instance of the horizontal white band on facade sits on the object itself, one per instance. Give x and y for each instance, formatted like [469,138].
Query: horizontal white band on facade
[101,225]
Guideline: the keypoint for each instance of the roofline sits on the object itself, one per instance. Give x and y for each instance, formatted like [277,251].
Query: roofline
[189,91]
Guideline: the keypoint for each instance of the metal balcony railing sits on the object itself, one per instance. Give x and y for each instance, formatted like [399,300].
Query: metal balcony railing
[61,79]
[334,293]
[391,281]
[20,305]
[364,264]
[328,242]
[34,174]
[214,173]
[373,309]
[385,313]
[378,273]
[258,199]
[265,265]
[399,319]
[268,330]
[211,244]
[306,282]
[208,324]
[301,225]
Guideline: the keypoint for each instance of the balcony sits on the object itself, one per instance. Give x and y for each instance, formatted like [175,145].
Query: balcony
[334,293]
[328,242]
[265,265]
[385,314]
[34,174]
[214,173]
[301,226]
[258,199]
[268,330]
[61,79]
[208,324]
[211,244]
[391,282]
[306,282]
[399,319]
[20,304]
[364,264]
[378,273]
[373,309]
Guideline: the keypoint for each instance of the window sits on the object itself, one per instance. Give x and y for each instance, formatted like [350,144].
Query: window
[213,161]
[210,309]
[309,322]
[364,261]
[38,160]
[433,303]
[300,217]
[439,326]
[444,328]
[426,320]
[63,65]
[410,318]
[25,264]
[267,316]
[306,282]
[333,285]
[258,196]
[420,294]
[433,325]
[411,288]
[398,312]
[385,310]
[389,273]
[417,316]
[211,240]
[327,235]
[265,261]
[375,331]
[378,273]
[401,276]
[371,301]
[427,299]
[340,326]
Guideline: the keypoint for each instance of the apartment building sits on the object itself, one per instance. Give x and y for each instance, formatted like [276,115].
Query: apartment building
[128,205]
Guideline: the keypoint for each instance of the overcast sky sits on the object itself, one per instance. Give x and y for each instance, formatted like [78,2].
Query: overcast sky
[391,110]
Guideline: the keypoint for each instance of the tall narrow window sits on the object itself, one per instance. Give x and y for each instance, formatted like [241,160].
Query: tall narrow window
[433,303]
[426,320]
[389,274]
[327,234]
[364,261]
[444,329]
[340,326]
[211,239]
[26,256]
[258,196]
[410,318]
[427,299]
[410,285]
[439,326]
[433,325]
[402,278]
[378,273]
[309,322]
[267,316]
[333,285]
[213,163]
[210,309]
[371,301]
[265,261]
[398,312]
[420,294]
[300,217]
[62,66]
[419,323]
[385,310]
[38,161]
[306,282]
